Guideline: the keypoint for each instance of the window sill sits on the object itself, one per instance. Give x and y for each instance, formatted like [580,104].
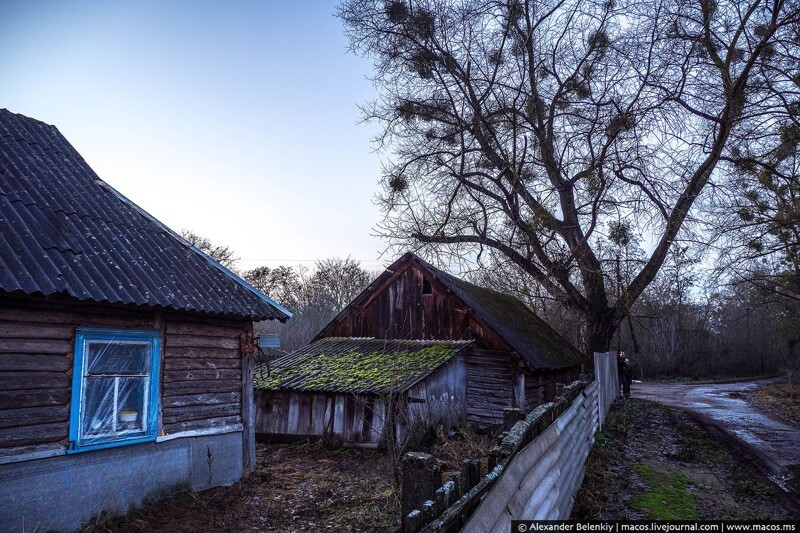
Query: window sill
[110,444]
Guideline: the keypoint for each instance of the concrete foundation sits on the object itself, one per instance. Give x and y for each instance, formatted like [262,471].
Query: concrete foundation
[62,493]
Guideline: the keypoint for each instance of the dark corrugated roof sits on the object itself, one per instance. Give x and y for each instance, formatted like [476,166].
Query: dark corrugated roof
[65,231]
[357,365]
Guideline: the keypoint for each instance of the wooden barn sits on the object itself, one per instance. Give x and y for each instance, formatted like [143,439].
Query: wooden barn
[365,392]
[516,359]
[126,354]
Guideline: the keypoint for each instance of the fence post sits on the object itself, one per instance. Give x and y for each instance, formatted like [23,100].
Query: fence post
[421,477]
[511,415]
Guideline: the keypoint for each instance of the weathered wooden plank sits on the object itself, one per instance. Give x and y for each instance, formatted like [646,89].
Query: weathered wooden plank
[247,410]
[10,362]
[293,413]
[488,382]
[196,341]
[494,397]
[11,330]
[202,424]
[33,415]
[200,352]
[207,374]
[38,434]
[486,412]
[32,312]
[205,320]
[17,399]
[173,415]
[205,330]
[318,414]
[492,362]
[36,346]
[33,380]
[202,399]
[176,388]
[192,363]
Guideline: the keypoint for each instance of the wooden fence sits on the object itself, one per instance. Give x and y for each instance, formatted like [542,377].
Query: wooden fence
[534,471]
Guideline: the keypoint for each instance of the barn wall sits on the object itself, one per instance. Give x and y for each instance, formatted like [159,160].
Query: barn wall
[444,395]
[493,384]
[399,310]
[339,418]
[361,419]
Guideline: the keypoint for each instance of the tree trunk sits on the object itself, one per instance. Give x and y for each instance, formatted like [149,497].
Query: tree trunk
[598,332]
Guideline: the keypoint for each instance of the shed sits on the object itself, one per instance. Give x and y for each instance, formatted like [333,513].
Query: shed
[362,391]
[126,354]
[516,360]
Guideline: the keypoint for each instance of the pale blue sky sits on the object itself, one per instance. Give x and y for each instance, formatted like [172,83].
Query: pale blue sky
[237,120]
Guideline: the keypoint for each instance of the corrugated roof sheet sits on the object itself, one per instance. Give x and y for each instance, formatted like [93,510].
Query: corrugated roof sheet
[65,231]
[357,365]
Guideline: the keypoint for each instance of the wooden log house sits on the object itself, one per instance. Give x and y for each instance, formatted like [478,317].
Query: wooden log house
[126,354]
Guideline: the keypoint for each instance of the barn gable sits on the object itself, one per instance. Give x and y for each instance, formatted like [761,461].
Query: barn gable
[413,299]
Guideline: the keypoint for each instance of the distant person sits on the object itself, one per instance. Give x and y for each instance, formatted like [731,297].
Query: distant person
[626,387]
[623,371]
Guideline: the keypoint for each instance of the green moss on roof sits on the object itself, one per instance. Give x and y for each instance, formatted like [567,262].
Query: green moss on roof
[357,365]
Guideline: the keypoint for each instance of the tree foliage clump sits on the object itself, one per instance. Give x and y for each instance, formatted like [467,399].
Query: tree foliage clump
[518,130]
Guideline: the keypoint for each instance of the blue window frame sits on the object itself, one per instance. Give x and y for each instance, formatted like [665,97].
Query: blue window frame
[115,388]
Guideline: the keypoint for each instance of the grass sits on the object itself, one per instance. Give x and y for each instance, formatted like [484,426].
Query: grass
[668,498]
[696,446]
[711,379]
[753,488]
[782,399]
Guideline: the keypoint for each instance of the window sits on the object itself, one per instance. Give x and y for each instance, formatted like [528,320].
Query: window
[114,388]
[426,286]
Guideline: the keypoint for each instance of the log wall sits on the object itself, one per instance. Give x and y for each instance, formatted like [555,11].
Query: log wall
[202,376]
[201,368]
[492,377]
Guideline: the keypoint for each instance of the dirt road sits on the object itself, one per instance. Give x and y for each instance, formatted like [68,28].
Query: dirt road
[722,404]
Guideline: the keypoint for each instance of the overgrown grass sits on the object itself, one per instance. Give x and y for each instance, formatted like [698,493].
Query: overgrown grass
[753,488]
[782,399]
[668,498]
[451,448]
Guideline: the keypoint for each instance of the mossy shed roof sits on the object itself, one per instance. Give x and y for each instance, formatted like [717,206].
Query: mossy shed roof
[357,365]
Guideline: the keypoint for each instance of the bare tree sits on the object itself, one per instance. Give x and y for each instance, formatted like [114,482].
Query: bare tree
[315,296]
[220,253]
[282,283]
[530,132]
